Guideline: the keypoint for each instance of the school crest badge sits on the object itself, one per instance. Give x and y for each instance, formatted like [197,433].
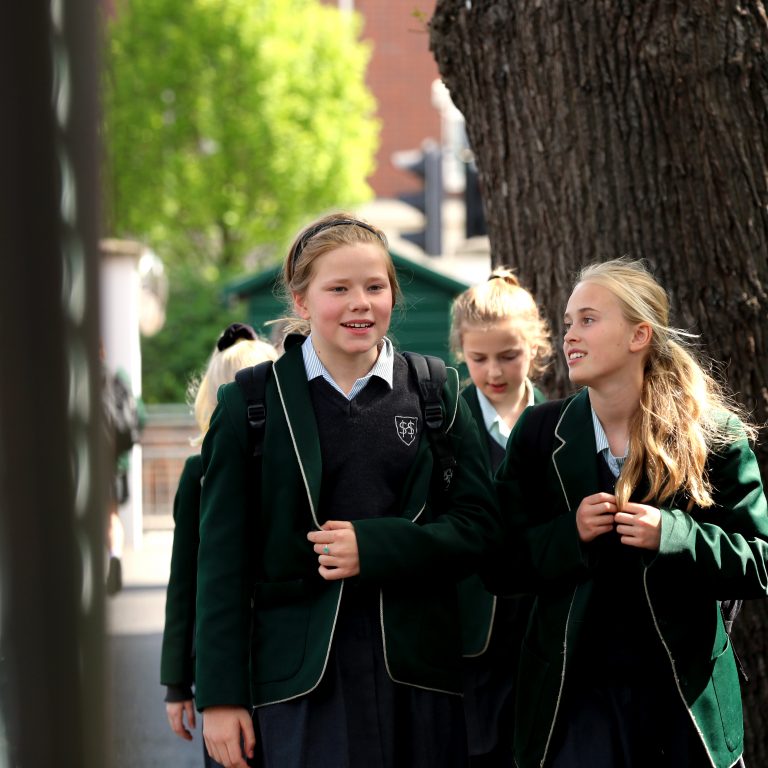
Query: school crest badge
[407,428]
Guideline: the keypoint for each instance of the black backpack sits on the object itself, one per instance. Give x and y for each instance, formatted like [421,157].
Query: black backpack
[429,373]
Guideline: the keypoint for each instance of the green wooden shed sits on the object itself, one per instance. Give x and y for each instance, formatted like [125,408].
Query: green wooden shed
[421,324]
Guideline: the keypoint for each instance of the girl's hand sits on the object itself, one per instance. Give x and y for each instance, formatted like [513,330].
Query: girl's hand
[336,547]
[639,525]
[595,515]
[176,711]
[224,729]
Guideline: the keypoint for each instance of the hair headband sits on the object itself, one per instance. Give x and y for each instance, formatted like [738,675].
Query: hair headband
[310,233]
[233,334]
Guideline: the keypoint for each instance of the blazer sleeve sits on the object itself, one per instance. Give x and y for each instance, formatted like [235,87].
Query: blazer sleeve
[722,549]
[459,533]
[224,578]
[177,657]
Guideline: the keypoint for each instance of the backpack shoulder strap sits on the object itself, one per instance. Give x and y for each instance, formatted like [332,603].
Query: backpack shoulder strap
[430,374]
[253,384]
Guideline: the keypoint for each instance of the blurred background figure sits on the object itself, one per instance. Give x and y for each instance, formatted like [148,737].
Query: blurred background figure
[123,421]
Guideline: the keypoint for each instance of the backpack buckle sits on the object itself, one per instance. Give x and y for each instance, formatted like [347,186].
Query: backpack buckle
[433,416]
[257,415]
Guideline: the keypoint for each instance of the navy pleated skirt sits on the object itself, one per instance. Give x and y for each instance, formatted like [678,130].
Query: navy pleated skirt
[357,717]
[613,725]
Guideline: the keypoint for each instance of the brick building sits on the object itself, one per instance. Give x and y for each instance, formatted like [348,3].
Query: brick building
[400,76]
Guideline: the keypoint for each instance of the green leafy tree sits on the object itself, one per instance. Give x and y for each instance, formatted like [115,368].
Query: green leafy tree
[227,124]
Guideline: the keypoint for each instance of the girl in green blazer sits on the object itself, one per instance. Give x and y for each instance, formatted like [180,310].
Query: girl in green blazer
[497,330]
[639,505]
[327,571]
[237,347]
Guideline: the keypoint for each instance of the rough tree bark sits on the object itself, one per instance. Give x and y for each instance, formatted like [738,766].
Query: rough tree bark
[604,128]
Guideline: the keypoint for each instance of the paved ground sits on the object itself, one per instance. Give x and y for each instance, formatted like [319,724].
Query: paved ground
[140,732]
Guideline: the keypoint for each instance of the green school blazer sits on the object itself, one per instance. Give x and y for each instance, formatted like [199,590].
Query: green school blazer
[477,605]
[177,658]
[706,555]
[265,617]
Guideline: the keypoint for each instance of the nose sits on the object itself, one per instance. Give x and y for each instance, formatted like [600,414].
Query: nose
[494,368]
[569,335]
[358,299]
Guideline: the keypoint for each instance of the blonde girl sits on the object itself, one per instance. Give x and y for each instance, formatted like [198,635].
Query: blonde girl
[640,506]
[326,589]
[237,347]
[498,331]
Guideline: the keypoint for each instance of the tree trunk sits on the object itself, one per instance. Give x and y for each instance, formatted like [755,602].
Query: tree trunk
[609,128]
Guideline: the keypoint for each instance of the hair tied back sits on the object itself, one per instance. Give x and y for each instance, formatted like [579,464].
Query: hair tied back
[504,274]
[233,334]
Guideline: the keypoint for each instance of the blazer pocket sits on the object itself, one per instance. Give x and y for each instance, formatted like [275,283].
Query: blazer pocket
[279,633]
[725,682]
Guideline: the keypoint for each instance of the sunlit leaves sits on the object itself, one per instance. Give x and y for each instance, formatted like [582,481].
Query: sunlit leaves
[229,122]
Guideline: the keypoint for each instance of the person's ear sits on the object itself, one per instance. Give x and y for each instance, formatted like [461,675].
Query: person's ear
[641,337]
[300,305]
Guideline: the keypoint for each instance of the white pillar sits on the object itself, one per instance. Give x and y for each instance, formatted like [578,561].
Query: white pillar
[120,296]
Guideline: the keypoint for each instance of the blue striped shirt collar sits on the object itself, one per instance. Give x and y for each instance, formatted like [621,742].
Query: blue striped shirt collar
[383,367]
[615,463]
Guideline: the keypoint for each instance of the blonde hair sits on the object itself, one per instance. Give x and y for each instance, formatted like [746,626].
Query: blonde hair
[221,369]
[683,410]
[327,233]
[501,299]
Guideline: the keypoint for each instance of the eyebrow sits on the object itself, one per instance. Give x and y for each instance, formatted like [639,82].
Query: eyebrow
[498,352]
[582,310]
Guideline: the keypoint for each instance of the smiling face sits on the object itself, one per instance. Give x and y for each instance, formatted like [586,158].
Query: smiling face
[498,359]
[600,346]
[348,304]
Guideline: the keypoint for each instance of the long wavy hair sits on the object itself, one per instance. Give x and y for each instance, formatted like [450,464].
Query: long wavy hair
[501,299]
[684,411]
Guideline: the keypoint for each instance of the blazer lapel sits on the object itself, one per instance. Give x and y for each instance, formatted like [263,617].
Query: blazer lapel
[575,450]
[291,379]
[470,397]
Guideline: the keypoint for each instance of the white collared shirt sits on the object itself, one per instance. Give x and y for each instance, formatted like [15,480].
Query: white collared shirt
[383,367]
[496,426]
[615,463]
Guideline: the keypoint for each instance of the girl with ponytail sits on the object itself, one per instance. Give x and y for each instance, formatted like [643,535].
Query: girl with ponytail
[498,331]
[636,506]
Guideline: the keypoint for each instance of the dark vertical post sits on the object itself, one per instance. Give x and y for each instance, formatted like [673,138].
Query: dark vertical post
[473,204]
[427,165]
[51,486]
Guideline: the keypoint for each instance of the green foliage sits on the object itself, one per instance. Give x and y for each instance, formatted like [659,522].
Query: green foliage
[195,317]
[228,123]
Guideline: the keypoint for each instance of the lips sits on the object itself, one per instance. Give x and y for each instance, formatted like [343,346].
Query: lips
[575,355]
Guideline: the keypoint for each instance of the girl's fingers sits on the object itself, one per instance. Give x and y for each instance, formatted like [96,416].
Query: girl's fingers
[190,710]
[334,525]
